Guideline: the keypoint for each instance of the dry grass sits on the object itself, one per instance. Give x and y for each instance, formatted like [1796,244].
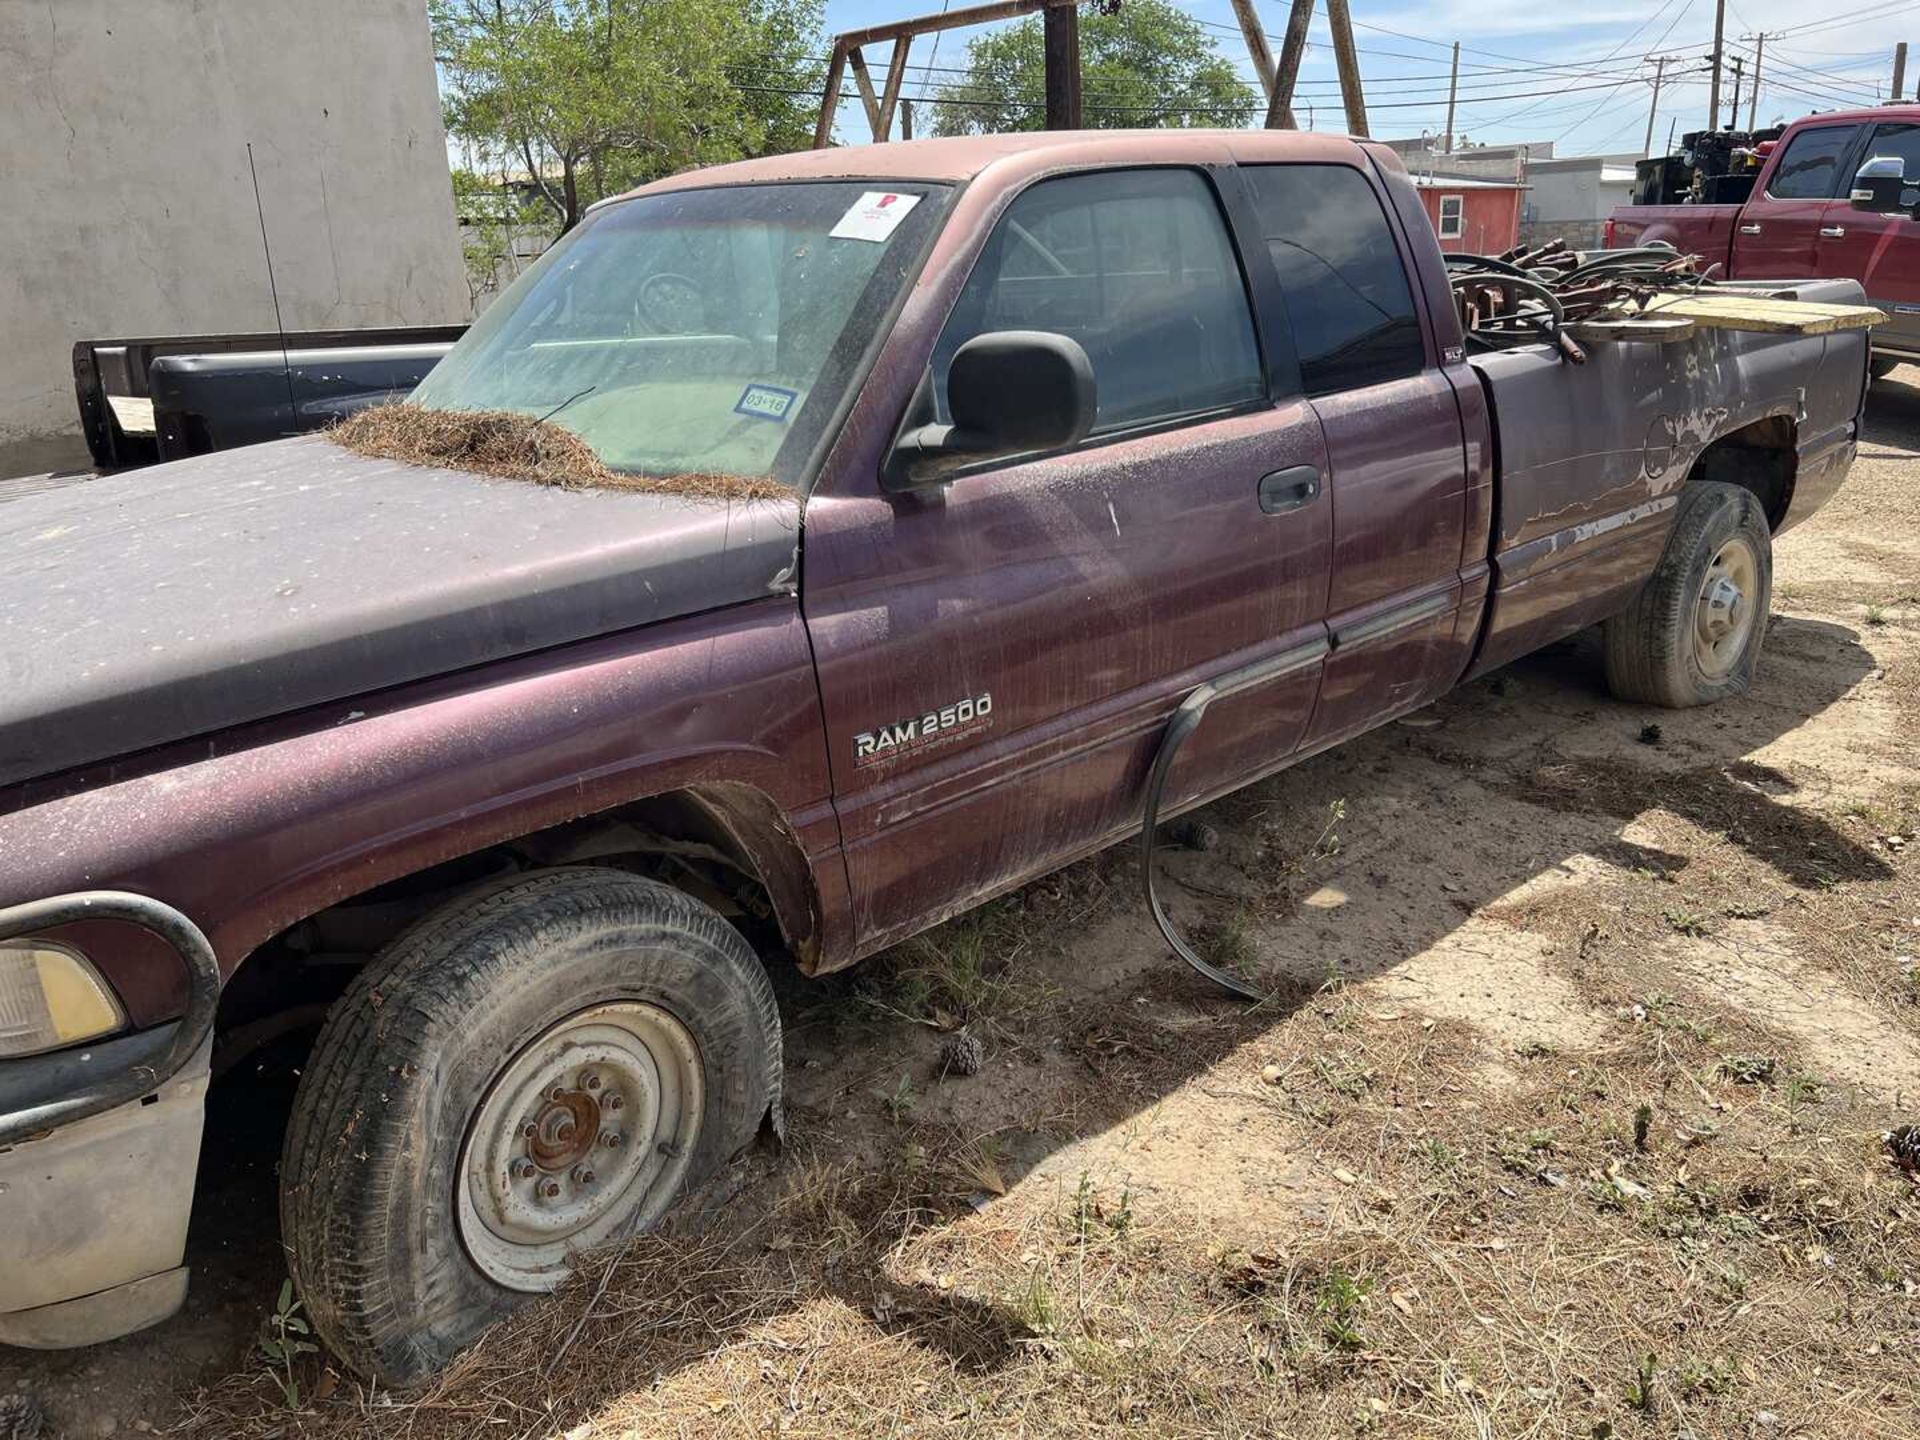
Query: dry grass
[512,446]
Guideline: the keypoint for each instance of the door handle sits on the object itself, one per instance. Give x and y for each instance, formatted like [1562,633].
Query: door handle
[1288,489]
[1833,232]
[1749,229]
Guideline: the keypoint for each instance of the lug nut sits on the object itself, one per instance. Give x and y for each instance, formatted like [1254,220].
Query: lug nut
[613,1102]
[558,1092]
[611,1140]
[522,1169]
[582,1175]
[550,1189]
[593,1082]
[529,1130]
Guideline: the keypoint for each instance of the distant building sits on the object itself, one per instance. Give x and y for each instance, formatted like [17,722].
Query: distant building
[1571,198]
[1423,156]
[130,206]
[1479,217]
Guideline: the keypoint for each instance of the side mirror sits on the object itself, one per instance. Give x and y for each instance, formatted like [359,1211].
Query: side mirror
[1879,186]
[1009,392]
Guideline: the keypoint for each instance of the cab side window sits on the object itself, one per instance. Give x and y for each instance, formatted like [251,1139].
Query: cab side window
[1137,266]
[1341,274]
[1810,169]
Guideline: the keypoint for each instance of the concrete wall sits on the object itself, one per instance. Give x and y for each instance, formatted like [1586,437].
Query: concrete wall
[1571,199]
[127,208]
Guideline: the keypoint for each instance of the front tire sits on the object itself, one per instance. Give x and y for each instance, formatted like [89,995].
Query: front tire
[542,1068]
[1693,634]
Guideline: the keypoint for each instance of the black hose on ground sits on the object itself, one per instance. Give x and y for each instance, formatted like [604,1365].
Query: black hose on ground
[1186,719]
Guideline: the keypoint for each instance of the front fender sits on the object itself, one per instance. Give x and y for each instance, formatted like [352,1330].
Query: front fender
[249,831]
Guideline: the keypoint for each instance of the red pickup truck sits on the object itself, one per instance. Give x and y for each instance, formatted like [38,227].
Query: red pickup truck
[1799,222]
[1069,439]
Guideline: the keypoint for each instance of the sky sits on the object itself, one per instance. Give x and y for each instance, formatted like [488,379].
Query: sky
[1577,74]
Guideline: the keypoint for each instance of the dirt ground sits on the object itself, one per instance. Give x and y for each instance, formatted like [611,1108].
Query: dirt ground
[1565,1115]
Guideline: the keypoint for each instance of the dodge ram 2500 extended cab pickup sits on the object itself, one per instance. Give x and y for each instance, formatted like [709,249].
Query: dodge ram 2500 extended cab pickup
[1799,221]
[523,786]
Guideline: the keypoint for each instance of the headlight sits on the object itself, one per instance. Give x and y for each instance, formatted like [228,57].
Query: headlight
[51,997]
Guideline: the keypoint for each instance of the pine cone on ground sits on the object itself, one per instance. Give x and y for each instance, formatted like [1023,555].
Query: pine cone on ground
[962,1054]
[20,1418]
[1904,1146]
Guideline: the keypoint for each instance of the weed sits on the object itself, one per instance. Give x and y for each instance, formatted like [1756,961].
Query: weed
[281,1344]
[901,1102]
[983,1166]
[1747,910]
[1338,1305]
[1035,1306]
[1748,1069]
[1686,922]
[1229,945]
[1876,615]
[1343,1076]
[1702,1377]
[1802,1091]
[1640,1386]
[1329,842]
[1642,1123]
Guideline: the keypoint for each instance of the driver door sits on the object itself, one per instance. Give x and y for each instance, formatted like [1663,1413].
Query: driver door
[999,654]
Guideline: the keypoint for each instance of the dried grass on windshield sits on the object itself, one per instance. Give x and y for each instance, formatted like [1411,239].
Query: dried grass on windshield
[511,446]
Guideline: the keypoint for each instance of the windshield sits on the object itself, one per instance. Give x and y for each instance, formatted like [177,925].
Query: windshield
[700,331]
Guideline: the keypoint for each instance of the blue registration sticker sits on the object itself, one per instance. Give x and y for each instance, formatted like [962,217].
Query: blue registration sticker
[766,402]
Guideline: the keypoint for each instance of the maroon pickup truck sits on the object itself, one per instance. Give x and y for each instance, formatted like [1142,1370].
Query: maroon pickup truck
[521,789]
[1800,222]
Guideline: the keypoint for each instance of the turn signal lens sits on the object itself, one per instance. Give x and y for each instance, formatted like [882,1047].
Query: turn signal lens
[51,997]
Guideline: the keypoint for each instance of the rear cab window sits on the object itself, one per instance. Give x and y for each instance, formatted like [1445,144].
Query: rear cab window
[1138,267]
[1809,169]
[1345,286]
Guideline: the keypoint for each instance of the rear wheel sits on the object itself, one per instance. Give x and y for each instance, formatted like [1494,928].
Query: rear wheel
[531,1072]
[1693,634]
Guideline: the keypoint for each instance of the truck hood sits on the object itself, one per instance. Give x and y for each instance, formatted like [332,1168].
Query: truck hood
[172,602]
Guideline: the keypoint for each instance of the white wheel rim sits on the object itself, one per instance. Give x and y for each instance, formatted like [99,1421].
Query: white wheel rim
[585,1135]
[1727,608]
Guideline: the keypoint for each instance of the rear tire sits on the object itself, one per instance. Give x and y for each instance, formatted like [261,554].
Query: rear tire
[1694,632]
[548,1064]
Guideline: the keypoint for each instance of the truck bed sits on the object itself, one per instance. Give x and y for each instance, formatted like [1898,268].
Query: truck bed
[1581,518]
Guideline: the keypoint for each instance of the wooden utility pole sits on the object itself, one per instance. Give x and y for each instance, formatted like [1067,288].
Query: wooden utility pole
[1733,110]
[1899,69]
[1719,50]
[1659,74]
[1062,31]
[1293,49]
[1453,90]
[1753,95]
[1257,50]
[1340,22]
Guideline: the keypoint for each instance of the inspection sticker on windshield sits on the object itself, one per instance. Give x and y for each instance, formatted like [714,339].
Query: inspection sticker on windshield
[874,216]
[766,402]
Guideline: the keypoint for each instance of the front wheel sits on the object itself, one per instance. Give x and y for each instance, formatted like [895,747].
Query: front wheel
[528,1073]
[1694,632]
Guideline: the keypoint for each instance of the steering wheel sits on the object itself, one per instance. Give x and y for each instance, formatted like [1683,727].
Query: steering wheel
[671,304]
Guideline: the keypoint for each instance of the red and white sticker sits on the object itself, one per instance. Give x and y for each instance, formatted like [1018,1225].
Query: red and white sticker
[874,216]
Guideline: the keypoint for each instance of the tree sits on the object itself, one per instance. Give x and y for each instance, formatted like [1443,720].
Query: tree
[1146,64]
[591,97]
